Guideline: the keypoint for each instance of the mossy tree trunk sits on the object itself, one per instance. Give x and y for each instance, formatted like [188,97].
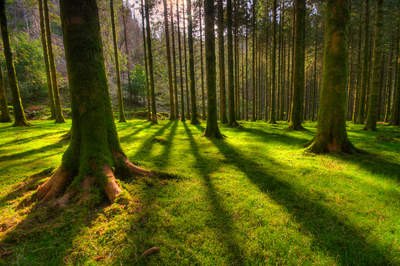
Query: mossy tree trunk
[377,74]
[176,108]
[122,117]
[168,48]
[331,134]
[272,114]
[231,84]
[150,62]
[19,114]
[365,68]
[212,130]
[194,120]
[148,101]
[221,63]
[59,117]
[388,96]
[395,117]
[94,153]
[5,114]
[46,60]
[296,114]
[180,64]
[203,97]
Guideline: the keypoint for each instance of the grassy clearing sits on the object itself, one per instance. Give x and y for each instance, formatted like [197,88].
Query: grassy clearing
[252,198]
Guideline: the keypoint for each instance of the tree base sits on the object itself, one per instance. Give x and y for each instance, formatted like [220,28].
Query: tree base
[195,122]
[296,127]
[23,123]
[319,147]
[234,124]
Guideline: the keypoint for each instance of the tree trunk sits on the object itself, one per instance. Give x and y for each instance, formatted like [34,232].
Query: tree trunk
[231,84]
[185,58]
[389,84]
[59,117]
[221,61]
[19,114]
[298,72]
[358,81]
[331,134]
[167,46]
[365,67]
[272,116]
[150,61]
[46,60]
[246,114]
[180,64]
[194,119]
[395,117]
[5,114]
[128,69]
[146,63]
[373,99]
[254,81]
[94,151]
[203,97]
[212,130]
[174,64]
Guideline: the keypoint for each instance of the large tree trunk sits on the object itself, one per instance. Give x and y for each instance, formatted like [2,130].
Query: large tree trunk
[231,85]
[19,114]
[212,130]
[94,150]
[272,116]
[180,64]
[167,46]
[150,61]
[373,99]
[221,61]
[5,114]
[146,62]
[46,60]
[395,118]
[122,117]
[174,64]
[331,134]
[365,69]
[298,72]
[59,117]
[194,119]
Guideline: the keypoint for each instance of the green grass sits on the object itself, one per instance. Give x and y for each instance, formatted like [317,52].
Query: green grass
[252,198]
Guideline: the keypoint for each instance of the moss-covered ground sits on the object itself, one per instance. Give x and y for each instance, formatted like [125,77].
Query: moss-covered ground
[252,198]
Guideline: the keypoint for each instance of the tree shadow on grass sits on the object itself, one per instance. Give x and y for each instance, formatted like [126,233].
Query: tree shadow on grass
[162,159]
[143,127]
[223,219]
[331,232]
[28,139]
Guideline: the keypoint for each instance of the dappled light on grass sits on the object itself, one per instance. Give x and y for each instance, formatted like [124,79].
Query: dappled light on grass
[251,198]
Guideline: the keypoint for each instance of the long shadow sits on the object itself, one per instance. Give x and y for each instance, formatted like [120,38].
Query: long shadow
[332,233]
[29,139]
[224,220]
[127,137]
[162,159]
[24,154]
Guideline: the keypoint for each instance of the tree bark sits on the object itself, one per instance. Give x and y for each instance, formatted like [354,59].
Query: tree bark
[168,48]
[231,84]
[272,115]
[221,61]
[19,114]
[212,130]
[185,60]
[180,64]
[331,134]
[174,64]
[5,114]
[148,100]
[94,154]
[126,10]
[203,97]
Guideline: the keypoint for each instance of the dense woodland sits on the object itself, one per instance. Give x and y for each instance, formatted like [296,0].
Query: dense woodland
[298,100]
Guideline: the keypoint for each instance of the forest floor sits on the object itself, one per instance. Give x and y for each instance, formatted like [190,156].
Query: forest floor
[254,197]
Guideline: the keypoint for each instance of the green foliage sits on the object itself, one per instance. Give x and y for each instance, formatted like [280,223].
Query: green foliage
[253,198]
[138,80]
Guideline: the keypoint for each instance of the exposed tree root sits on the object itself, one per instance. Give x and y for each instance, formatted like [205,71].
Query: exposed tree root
[318,147]
[54,186]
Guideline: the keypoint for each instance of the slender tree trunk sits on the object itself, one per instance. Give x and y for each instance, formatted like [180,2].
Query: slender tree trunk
[212,130]
[46,60]
[194,119]
[253,117]
[203,97]
[180,64]
[314,96]
[231,84]
[296,117]
[5,114]
[174,64]
[59,117]
[365,67]
[19,114]
[331,134]
[389,84]
[272,116]
[373,99]
[185,58]
[395,117]
[146,63]
[150,61]
[126,11]
[94,154]
[168,48]
[246,78]
[358,81]
[221,61]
